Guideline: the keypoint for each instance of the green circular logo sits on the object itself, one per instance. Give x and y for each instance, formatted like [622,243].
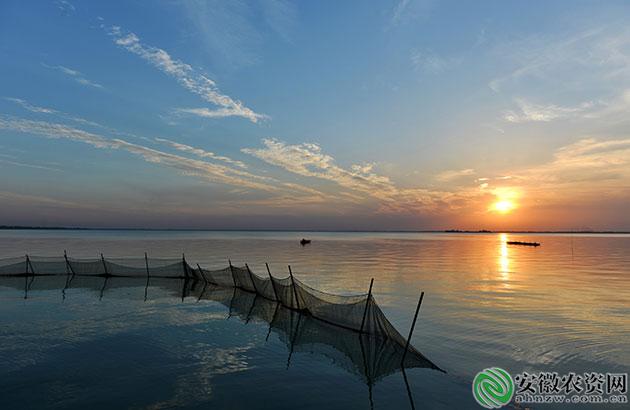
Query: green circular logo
[493,388]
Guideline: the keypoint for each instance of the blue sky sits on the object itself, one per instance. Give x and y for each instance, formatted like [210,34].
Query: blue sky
[315,115]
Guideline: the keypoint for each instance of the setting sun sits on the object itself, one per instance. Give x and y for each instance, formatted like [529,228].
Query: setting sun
[505,200]
[503,206]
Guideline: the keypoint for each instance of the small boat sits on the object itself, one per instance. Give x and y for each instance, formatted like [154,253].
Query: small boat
[305,241]
[523,243]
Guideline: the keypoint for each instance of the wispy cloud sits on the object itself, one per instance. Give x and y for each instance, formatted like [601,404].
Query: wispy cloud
[200,152]
[406,10]
[213,172]
[308,160]
[530,112]
[32,108]
[451,175]
[591,161]
[187,76]
[206,112]
[595,56]
[65,6]
[206,170]
[428,61]
[589,169]
[399,10]
[27,165]
[75,74]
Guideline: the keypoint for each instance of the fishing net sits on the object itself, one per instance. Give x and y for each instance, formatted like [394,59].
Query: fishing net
[370,357]
[359,314]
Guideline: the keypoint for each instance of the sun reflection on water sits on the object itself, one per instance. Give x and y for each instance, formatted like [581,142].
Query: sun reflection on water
[504,259]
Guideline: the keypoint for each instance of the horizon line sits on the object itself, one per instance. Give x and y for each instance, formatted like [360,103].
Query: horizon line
[482,231]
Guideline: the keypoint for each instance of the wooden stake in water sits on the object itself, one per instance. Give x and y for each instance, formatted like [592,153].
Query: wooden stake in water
[273,285]
[185,265]
[146,263]
[232,271]
[251,277]
[203,275]
[297,302]
[413,325]
[104,266]
[367,304]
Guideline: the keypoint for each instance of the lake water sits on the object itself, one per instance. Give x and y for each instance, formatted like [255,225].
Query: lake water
[561,307]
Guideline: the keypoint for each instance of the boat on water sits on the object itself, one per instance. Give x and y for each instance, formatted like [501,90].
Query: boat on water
[523,243]
[305,241]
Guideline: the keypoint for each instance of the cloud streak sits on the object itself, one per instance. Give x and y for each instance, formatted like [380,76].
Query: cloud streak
[74,74]
[32,108]
[187,77]
[200,152]
[202,169]
[308,160]
[232,174]
[530,112]
[430,62]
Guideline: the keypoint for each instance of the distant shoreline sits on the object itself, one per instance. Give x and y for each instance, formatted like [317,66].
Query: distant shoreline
[482,231]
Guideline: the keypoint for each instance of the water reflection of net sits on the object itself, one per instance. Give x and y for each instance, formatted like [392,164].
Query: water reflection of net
[370,357]
[306,318]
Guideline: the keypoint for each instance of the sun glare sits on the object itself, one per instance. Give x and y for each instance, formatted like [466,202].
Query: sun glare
[505,201]
[503,206]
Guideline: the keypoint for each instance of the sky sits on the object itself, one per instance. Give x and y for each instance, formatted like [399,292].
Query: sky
[327,115]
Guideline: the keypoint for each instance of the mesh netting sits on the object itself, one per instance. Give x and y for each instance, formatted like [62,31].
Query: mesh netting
[370,357]
[357,314]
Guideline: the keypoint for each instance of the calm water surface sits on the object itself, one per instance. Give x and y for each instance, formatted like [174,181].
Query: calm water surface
[564,306]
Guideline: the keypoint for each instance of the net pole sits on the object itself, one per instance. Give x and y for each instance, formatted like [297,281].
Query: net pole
[68,264]
[413,407]
[273,285]
[146,285]
[26,265]
[146,264]
[232,271]
[184,266]
[65,258]
[251,277]
[203,275]
[28,260]
[413,325]
[367,304]
[297,302]
[104,267]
